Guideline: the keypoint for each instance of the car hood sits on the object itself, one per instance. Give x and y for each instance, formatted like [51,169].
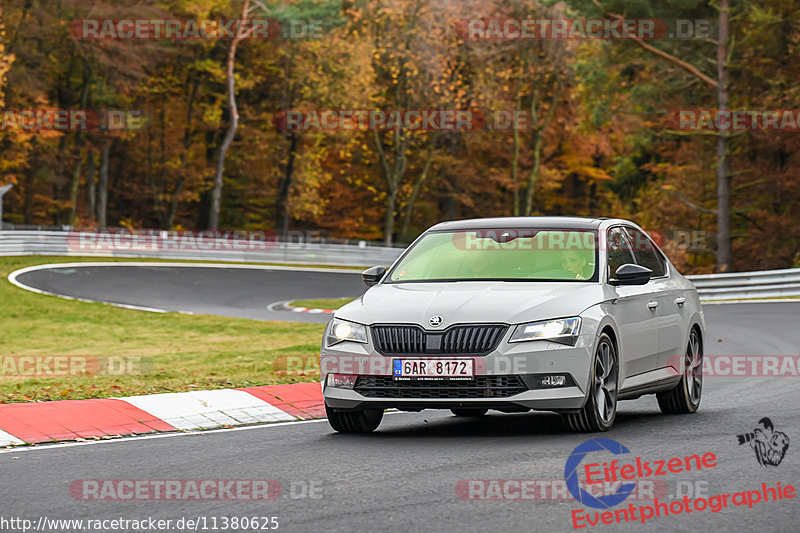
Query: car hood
[471,301]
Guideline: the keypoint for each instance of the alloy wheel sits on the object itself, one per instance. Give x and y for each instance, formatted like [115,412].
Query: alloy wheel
[605,382]
[694,368]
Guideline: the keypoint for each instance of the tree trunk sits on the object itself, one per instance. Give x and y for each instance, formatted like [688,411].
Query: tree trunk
[538,138]
[30,190]
[90,183]
[187,144]
[58,186]
[515,174]
[63,96]
[216,191]
[723,163]
[417,187]
[515,156]
[393,176]
[284,186]
[76,179]
[30,186]
[76,173]
[388,217]
[289,150]
[102,193]
[173,204]
[159,189]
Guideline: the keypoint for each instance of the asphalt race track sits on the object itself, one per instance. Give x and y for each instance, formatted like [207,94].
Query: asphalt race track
[403,477]
[236,292]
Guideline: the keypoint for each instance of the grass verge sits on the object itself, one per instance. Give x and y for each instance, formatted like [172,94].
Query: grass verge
[321,303]
[172,352]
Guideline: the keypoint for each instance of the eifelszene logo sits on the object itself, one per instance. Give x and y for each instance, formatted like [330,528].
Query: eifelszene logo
[769,445]
[617,472]
[571,474]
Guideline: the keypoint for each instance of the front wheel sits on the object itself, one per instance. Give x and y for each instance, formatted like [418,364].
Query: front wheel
[685,397]
[365,421]
[600,409]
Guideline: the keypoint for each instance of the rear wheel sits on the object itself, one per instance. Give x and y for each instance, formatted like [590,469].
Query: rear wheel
[354,421]
[685,398]
[464,411]
[600,409]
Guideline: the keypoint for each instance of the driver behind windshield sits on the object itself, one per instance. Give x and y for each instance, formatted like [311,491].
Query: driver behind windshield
[575,262]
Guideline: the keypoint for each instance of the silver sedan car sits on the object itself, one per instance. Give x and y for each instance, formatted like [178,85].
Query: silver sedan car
[559,314]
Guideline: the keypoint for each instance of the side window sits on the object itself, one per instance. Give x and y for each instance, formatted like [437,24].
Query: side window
[646,254]
[619,250]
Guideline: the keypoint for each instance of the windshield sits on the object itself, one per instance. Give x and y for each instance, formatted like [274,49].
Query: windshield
[498,254]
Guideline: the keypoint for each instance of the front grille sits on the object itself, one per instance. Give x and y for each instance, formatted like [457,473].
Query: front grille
[399,339]
[472,339]
[480,387]
[469,339]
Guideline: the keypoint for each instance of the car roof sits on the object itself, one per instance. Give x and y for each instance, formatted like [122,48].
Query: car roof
[524,223]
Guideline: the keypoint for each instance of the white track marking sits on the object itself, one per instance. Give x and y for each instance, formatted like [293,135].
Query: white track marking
[208,409]
[8,438]
[71,444]
[12,277]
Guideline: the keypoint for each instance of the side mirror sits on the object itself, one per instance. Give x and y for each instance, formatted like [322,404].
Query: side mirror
[372,276]
[630,274]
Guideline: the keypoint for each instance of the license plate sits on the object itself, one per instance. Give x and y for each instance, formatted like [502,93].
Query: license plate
[433,368]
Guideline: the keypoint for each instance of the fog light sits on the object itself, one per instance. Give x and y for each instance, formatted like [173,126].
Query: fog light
[554,381]
[342,381]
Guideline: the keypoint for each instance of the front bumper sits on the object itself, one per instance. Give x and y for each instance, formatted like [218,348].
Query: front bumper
[562,399]
[524,362]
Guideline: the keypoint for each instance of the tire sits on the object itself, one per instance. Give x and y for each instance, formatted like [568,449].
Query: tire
[685,397]
[600,409]
[465,411]
[365,421]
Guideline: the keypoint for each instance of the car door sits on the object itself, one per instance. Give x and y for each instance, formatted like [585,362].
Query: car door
[634,313]
[673,319]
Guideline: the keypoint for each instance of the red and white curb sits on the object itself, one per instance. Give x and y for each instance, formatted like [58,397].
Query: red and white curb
[26,423]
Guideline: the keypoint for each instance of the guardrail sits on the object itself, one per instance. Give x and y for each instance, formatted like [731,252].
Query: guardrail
[728,286]
[744,285]
[227,250]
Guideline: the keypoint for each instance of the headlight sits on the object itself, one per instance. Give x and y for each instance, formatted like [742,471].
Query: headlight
[563,330]
[342,330]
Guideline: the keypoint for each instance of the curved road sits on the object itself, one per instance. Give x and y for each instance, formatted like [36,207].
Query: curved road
[403,477]
[241,291]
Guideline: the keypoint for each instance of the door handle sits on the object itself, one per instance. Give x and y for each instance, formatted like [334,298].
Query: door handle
[680,300]
[652,305]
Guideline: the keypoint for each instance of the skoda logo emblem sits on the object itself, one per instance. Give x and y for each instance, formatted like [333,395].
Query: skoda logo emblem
[435,321]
